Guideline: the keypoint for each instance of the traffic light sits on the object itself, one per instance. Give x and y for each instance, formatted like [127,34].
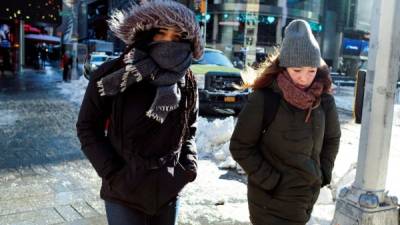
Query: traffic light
[315,26]
[203,6]
[200,6]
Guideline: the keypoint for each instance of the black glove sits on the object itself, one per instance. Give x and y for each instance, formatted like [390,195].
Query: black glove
[191,175]
[190,171]
[326,178]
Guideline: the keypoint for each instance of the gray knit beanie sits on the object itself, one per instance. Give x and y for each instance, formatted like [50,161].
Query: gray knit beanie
[299,46]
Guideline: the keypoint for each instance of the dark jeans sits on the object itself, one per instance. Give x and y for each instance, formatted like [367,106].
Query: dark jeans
[121,215]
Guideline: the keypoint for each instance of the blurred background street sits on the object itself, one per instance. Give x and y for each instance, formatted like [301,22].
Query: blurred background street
[49,47]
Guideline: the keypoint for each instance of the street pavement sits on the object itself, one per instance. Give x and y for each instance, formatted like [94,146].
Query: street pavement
[44,177]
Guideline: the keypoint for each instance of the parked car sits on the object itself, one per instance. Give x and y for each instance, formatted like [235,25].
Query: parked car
[97,59]
[216,77]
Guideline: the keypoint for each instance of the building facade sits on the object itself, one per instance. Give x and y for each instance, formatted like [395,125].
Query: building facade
[356,32]
[248,30]
[244,29]
[19,23]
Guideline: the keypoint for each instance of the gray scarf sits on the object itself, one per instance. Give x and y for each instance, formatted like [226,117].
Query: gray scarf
[164,65]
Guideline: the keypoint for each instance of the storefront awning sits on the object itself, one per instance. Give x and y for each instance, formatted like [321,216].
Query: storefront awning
[43,37]
[30,29]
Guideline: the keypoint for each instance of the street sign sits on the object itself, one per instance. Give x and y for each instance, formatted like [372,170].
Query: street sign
[65,13]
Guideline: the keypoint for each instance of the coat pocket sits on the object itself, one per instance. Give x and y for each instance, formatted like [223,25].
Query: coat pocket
[294,185]
[135,187]
[172,180]
[125,180]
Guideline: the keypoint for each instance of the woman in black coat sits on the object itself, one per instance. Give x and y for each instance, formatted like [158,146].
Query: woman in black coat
[147,100]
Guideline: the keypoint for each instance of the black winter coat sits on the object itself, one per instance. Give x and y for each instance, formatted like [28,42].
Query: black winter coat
[121,156]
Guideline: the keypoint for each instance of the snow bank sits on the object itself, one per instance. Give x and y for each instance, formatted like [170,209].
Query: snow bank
[213,138]
[75,90]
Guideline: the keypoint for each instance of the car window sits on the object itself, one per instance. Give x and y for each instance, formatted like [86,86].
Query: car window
[99,58]
[112,57]
[214,58]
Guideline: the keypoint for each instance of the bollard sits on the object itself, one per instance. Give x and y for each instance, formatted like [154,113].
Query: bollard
[359,95]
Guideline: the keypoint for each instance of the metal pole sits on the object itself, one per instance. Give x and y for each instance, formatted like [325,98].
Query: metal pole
[74,40]
[215,30]
[251,30]
[21,50]
[366,203]
[281,21]
[205,23]
[382,77]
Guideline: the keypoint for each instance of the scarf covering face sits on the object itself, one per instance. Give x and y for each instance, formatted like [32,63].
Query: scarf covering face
[308,99]
[164,66]
[129,23]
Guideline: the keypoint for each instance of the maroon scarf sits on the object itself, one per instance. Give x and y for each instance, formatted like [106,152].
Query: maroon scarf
[308,99]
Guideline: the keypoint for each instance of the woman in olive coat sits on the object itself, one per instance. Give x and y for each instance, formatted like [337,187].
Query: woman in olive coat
[288,161]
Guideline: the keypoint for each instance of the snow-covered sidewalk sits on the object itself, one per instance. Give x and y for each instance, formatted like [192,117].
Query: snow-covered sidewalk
[203,197]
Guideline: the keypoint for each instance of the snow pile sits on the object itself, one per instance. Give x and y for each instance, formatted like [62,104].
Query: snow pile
[214,198]
[212,139]
[75,90]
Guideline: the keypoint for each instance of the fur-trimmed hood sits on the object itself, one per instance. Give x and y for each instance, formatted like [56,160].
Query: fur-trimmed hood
[126,24]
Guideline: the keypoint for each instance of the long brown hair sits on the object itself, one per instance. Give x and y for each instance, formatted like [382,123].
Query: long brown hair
[269,70]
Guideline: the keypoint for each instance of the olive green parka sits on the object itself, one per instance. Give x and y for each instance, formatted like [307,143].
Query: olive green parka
[288,162]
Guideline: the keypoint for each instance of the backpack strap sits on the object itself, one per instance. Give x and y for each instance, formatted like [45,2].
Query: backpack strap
[271,104]
[323,104]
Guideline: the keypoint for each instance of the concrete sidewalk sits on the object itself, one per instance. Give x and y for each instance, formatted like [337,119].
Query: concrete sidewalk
[44,177]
